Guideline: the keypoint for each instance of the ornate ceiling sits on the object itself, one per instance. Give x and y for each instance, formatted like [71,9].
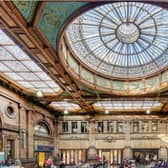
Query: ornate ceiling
[46,58]
[122,40]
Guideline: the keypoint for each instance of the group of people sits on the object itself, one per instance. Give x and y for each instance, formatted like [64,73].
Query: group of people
[161,164]
[127,163]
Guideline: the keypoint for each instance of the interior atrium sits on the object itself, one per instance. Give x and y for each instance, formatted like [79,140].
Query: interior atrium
[84,82]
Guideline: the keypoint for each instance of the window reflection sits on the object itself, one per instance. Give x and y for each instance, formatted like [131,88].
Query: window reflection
[83,127]
[119,127]
[65,127]
[135,126]
[110,127]
[100,127]
[74,127]
[154,126]
[145,126]
[41,130]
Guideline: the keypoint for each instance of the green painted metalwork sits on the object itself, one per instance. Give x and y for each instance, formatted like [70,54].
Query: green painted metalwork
[26,8]
[53,16]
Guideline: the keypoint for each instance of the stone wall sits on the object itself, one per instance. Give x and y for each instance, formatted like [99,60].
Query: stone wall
[23,120]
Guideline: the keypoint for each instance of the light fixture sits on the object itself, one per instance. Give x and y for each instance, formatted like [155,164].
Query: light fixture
[66,111]
[39,94]
[106,111]
[148,111]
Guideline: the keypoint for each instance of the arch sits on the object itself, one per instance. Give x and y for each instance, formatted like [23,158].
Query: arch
[42,128]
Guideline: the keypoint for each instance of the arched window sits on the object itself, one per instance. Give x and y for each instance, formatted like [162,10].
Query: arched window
[42,129]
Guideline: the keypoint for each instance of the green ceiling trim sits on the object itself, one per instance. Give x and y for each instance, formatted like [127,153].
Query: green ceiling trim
[53,16]
[26,8]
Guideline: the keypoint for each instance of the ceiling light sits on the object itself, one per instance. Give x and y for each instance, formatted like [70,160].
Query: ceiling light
[106,111]
[66,112]
[39,94]
[148,111]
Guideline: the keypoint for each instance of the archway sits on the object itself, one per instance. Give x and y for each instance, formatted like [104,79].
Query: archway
[43,141]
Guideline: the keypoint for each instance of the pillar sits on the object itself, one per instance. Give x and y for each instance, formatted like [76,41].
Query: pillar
[105,126]
[69,127]
[140,126]
[79,126]
[23,133]
[30,133]
[150,126]
[115,126]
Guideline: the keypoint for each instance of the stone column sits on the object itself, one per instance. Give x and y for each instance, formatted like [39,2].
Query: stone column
[115,126]
[92,133]
[127,132]
[56,132]
[150,126]
[105,126]
[30,133]
[23,133]
[59,127]
[79,126]
[140,126]
[158,129]
[70,127]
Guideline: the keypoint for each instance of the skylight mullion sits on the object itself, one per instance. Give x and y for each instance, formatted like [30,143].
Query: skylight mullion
[127,16]
[106,16]
[138,13]
[116,12]
[12,51]
[151,15]
[140,60]
[149,54]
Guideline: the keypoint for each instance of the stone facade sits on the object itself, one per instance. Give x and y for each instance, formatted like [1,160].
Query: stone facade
[18,126]
[127,140]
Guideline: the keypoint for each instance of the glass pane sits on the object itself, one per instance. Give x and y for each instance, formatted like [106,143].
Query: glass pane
[13,76]
[31,66]
[15,66]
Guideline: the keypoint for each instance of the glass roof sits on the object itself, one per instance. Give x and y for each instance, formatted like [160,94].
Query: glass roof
[19,67]
[123,39]
[127,104]
[63,105]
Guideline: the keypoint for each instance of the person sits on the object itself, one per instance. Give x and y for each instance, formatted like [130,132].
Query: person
[48,163]
[98,158]
[62,165]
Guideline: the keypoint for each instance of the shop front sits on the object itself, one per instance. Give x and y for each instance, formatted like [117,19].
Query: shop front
[145,156]
[42,153]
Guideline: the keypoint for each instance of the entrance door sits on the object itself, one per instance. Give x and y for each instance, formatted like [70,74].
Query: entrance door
[106,156]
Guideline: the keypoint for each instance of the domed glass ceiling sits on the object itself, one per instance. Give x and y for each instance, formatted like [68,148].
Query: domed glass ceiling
[123,39]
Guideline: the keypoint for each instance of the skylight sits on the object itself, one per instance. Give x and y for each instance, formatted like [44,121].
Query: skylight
[123,105]
[122,39]
[63,105]
[19,67]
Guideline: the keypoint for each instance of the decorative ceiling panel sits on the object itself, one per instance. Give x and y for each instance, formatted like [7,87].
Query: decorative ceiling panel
[26,8]
[53,16]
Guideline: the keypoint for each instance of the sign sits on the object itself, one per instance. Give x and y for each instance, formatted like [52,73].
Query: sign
[44,148]
[41,158]
[2,156]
